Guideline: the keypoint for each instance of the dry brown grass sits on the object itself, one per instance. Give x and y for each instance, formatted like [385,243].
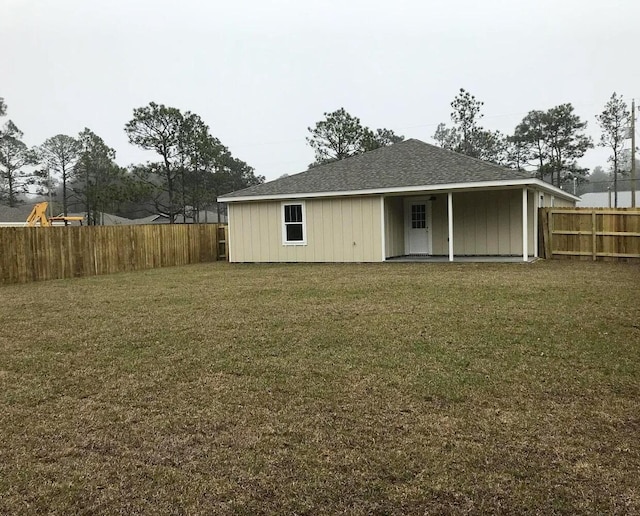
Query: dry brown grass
[389,389]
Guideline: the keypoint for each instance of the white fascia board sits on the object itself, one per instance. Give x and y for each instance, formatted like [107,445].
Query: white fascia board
[409,189]
[559,192]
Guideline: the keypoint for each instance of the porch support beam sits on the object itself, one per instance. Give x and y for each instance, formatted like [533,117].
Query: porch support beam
[450,220]
[525,226]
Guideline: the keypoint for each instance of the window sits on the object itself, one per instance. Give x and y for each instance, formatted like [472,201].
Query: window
[293,224]
[418,216]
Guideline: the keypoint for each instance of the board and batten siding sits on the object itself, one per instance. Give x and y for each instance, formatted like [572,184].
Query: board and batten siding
[394,226]
[338,230]
[563,203]
[484,223]
[548,200]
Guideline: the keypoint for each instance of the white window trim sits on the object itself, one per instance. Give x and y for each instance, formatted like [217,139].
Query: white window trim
[284,224]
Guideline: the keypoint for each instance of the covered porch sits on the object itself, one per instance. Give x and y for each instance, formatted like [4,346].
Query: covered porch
[499,224]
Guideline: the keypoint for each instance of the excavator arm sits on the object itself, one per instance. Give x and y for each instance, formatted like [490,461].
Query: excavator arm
[38,214]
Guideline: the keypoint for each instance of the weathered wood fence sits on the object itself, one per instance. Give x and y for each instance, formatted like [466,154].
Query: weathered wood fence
[37,253]
[590,233]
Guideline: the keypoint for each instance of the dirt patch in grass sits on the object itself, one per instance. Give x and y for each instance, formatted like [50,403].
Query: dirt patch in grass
[390,389]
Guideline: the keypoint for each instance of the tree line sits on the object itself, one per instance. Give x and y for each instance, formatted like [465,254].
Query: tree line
[546,143]
[193,167]
[191,170]
[549,142]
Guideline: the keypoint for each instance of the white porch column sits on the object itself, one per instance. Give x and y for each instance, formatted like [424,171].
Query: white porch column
[450,218]
[382,232]
[536,205]
[525,232]
[228,238]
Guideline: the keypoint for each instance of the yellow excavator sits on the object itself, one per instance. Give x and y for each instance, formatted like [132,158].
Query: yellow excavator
[39,215]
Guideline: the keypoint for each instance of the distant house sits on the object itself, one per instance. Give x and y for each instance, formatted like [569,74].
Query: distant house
[17,217]
[108,219]
[105,219]
[14,216]
[150,219]
[408,199]
[606,200]
[202,217]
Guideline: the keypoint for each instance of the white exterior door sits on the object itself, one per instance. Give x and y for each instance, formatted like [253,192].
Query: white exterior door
[417,224]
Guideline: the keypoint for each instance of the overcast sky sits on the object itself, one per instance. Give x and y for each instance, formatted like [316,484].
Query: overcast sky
[259,72]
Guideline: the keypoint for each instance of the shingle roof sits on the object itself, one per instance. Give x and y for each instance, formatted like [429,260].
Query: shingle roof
[16,214]
[407,164]
[106,219]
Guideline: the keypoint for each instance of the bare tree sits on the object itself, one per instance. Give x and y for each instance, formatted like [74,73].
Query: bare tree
[14,156]
[614,122]
[59,154]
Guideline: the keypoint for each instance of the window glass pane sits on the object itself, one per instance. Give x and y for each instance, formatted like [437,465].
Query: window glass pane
[294,233]
[293,213]
[418,216]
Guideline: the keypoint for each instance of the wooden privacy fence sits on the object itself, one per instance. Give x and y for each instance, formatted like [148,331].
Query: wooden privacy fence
[590,233]
[40,253]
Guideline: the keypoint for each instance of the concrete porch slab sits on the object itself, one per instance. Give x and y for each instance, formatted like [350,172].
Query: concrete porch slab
[461,259]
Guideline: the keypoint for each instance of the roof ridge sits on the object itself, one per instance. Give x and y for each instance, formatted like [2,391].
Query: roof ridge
[360,155]
[482,161]
[416,140]
[321,166]
[407,164]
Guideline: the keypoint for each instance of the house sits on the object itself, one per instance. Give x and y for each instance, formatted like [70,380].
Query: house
[15,216]
[108,219]
[408,199]
[199,217]
[103,219]
[606,199]
[150,219]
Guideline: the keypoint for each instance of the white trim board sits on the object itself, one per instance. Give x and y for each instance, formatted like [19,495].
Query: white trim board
[478,185]
[383,236]
[525,224]
[228,242]
[450,224]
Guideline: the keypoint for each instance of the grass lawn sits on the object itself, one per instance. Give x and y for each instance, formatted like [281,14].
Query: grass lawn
[388,389]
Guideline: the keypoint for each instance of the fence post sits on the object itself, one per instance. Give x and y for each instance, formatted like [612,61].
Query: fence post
[541,230]
[547,234]
[593,235]
[226,242]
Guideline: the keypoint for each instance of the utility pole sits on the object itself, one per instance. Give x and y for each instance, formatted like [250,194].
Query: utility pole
[633,153]
[49,192]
